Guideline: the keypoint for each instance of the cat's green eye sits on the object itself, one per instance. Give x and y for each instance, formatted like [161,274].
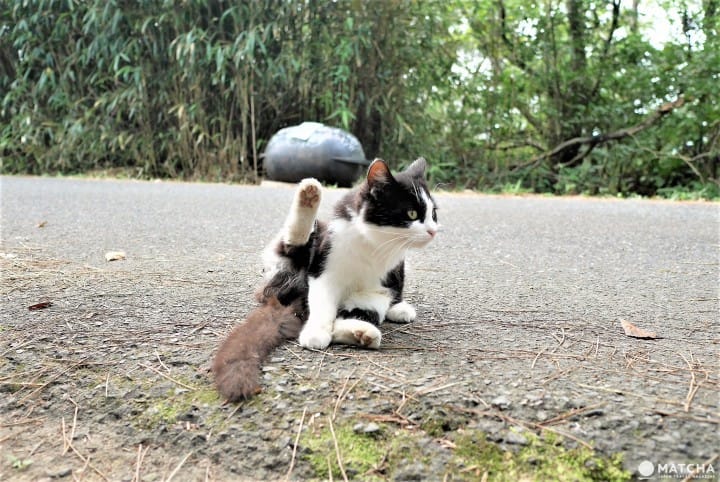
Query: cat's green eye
[412,214]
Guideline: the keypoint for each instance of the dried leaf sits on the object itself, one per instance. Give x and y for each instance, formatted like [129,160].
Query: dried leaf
[42,224]
[114,255]
[635,332]
[40,306]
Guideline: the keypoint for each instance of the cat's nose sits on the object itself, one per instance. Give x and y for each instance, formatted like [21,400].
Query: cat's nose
[432,232]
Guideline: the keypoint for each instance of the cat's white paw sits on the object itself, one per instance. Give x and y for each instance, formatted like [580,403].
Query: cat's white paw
[301,219]
[309,193]
[368,337]
[314,338]
[350,331]
[402,312]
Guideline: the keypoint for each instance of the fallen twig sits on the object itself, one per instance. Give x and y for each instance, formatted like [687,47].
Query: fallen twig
[295,445]
[694,385]
[532,367]
[682,416]
[572,413]
[522,423]
[168,377]
[85,460]
[157,355]
[696,472]
[27,421]
[138,463]
[395,418]
[337,450]
[344,393]
[177,468]
[67,442]
[52,379]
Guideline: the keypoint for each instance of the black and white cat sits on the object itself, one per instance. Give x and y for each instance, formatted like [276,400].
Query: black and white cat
[342,278]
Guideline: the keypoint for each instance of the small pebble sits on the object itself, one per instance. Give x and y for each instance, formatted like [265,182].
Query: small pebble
[501,402]
[371,428]
[515,438]
[59,473]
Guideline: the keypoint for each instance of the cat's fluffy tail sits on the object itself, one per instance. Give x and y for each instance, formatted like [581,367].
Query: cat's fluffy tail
[240,357]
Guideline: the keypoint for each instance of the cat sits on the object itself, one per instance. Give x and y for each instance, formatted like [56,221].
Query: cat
[333,282]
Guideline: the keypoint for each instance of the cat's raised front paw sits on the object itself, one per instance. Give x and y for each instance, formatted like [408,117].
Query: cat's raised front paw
[301,219]
[314,338]
[402,312]
[309,193]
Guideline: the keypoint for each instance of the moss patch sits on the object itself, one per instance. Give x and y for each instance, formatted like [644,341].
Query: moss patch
[468,455]
[361,454]
[544,458]
[170,409]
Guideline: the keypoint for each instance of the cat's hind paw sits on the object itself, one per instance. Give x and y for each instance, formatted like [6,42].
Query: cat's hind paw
[356,332]
[368,338]
[402,312]
[314,338]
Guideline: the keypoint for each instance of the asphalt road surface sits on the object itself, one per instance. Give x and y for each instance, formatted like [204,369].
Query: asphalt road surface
[519,304]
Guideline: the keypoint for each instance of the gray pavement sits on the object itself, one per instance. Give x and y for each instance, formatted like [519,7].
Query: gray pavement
[519,306]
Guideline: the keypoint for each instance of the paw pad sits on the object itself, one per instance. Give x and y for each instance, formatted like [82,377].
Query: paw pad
[309,195]
[366,339]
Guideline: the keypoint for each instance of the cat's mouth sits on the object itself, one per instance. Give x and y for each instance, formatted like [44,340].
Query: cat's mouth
[425,238]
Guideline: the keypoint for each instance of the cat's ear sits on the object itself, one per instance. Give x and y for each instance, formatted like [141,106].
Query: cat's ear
[417,168]
[379,173]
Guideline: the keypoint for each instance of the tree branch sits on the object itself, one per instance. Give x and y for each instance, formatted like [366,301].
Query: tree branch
[510,44]
[518,145]
[594,141]
[606,46]
[532,120]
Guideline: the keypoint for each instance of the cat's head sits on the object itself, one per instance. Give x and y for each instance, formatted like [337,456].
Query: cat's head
[399,205]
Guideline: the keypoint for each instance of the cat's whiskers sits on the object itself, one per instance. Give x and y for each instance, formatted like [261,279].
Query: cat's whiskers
[415,236]
[389,244]
[393,249]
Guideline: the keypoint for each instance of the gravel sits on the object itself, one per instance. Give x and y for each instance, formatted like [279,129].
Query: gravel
[519,303]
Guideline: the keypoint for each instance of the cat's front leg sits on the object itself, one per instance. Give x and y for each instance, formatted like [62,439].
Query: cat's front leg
[301,218]
[401,311]
[323,298]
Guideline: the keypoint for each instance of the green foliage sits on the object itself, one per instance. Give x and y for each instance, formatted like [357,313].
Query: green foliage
[19,464]
[487,90]
[196,89]
[559,71]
